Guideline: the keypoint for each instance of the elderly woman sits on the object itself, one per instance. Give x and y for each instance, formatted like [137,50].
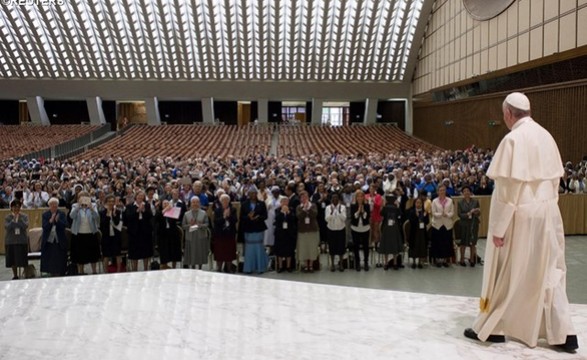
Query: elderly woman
[168,236]
[16,241]
[54,242]
[197,240]
[111,226]
[442,213]
[391,239]
[308,235]
[469,213]
[224,236]
[285,234]
[252,222]
[137,217]
[37,198]
[85,247]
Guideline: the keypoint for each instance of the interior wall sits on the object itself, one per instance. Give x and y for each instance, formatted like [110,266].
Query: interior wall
[356,112]
[459,124]
[392,111]
[456,47]
[274,111]
[9,112]
[135,112]
[226,112]
[180,112]
[67,112]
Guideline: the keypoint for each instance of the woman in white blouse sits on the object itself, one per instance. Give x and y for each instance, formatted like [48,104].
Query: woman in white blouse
[442,214]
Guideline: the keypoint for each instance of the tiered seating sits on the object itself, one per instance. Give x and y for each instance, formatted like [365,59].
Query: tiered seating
[19,140]
[187,141]
[305,140]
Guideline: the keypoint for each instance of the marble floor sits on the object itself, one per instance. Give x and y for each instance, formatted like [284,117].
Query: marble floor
[189,314]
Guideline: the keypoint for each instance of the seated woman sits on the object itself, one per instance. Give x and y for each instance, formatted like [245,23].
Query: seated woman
[54,242]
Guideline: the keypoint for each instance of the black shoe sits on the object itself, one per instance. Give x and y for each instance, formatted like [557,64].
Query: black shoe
[280,270]
[472,264]
[413,265]
[420,266]
[358,267]
[471,334]
[332,268]
[15,278]
[570,345]
[366,267]
[462,263]
[446,264]
[438,265]
[289,269]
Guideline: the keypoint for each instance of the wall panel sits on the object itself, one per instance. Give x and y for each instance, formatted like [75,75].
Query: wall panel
[563,111]
[538,28]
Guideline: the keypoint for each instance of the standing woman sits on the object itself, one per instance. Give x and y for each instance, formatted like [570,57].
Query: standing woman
[391,239]
[360,217]
[286,233]
[272,204]
[308,235]
[168,236]
[16,241]
[197,242]
[469,212]
[137,218]
[442,213]
[252,222]
[336,222]
[85,247]
[54,242]
[224,237]
[111,226]
[418,242]
[376,203]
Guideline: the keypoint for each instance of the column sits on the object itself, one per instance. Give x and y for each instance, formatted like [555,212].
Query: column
[36,106]
[152,107]
[262,111]
[317,105]
[208,110]
[370,111]
[409,114]
[95,110]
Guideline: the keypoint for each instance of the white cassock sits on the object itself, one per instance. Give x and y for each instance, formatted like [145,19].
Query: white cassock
[524,282]
[272,204]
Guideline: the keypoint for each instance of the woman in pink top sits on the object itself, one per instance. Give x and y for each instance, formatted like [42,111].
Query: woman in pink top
[376,203]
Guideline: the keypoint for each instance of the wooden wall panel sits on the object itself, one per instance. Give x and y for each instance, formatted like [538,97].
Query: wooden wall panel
[562,111]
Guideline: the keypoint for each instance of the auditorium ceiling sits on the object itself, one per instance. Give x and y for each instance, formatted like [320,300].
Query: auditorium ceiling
[243,40]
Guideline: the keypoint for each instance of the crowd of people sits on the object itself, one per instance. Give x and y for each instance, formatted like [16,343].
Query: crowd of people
[181,209]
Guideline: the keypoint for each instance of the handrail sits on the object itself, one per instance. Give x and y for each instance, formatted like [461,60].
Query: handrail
[58,151]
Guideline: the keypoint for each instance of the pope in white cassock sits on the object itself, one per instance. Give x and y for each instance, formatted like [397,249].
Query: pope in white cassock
[524,280]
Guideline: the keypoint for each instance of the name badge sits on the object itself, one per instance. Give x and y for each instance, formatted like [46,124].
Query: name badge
[17,231]
[284,225]
[323,205]
[226,224]
[390,222]
[167,225]
[307,220]
[140,216]
[421,225]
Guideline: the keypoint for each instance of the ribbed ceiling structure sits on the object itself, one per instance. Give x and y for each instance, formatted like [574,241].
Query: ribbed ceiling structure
[281,40]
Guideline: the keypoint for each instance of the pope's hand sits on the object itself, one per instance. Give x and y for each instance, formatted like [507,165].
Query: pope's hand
[497,241]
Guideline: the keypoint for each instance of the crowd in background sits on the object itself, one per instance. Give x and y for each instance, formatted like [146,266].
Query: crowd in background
[288,205]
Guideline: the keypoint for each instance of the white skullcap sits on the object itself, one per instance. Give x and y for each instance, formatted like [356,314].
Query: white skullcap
[519,101]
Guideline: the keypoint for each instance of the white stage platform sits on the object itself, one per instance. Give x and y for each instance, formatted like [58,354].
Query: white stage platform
[188,314]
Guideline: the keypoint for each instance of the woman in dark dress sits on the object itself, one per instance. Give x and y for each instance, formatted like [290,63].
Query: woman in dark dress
[111,226]
[285,235]
[224,235]
[137,218]
[168,236]
[418,239]
[391,239]
[54,242]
